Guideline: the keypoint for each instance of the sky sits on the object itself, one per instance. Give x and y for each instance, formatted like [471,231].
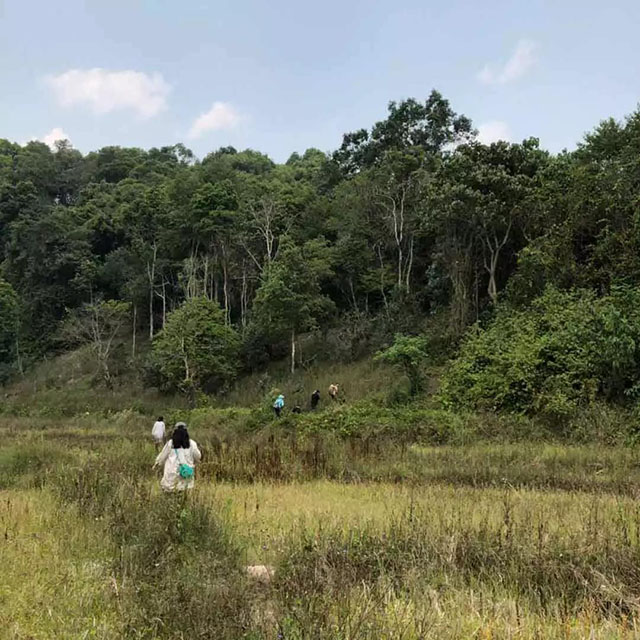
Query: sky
[284,75]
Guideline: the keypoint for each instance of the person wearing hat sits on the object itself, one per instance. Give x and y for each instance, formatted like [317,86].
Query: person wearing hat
[278,405]
[179,456]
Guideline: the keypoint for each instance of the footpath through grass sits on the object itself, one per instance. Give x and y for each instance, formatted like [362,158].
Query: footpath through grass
[369,537]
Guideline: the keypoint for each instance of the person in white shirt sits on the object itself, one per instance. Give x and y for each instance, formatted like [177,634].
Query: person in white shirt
[157,432]
[179,456]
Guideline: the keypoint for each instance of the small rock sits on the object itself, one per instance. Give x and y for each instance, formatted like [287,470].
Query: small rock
[260,572]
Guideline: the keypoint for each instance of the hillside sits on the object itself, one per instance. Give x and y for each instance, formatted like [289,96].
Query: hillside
[515,268]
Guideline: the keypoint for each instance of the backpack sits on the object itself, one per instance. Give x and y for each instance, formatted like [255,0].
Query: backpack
[185,470]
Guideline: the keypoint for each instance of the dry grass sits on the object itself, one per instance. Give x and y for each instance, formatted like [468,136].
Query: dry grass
[467,542]
[55,580]
[356,380]
[267,514]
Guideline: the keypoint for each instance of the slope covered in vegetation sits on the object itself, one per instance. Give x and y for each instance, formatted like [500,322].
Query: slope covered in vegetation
[516,269]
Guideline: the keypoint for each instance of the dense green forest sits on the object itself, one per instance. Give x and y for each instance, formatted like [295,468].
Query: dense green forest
[518,268]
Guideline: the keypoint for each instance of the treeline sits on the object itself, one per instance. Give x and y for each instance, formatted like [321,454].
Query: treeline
[410,226]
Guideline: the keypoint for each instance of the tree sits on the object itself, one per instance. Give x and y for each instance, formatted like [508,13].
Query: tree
[8,328]
[48,257]
[430,126]
[97,324]
[479,215]
[214,209]
[196,350]
[409,354]
[290,299]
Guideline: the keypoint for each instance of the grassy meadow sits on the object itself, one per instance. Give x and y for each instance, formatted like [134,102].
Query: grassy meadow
[369,538]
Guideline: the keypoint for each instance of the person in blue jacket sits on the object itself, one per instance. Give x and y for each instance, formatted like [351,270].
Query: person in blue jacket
[278,405]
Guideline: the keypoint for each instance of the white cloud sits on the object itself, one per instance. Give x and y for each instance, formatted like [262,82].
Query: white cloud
[106,91]
[493,131]
[57,133]
[222,115]
[523,58]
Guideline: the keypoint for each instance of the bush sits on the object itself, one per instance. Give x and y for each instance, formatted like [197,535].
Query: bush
[408,353]
[563,352]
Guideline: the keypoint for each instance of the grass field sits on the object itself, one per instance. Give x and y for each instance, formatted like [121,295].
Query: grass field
[485,540]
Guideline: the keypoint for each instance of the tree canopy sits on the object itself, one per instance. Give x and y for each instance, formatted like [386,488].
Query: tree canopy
[410,219]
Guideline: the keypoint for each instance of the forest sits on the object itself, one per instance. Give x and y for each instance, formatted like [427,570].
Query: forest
[515,270]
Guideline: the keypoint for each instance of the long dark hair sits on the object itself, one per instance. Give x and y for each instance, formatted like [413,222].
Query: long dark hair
[180,437]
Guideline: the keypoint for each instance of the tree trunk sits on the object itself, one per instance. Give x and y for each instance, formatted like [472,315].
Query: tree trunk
[205,277]
[133,337]
[164,302]
[492,289]
[494,247]
[19,357]
[225,288]
[243,296]
[151,273]
[384,295]
[353,295]
[293,351]
[409,266]
[106,374]
[460,274]
[185,360]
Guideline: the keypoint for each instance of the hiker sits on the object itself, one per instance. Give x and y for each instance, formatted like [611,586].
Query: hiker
[278,405]
[315,398]
[157,433]
[333,391]
[179,456]
[296,409]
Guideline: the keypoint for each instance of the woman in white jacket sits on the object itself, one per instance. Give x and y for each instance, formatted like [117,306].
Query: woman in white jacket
[179,456]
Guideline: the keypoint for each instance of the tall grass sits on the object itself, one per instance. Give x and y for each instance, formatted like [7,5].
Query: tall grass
[177,570]
[55,580]
[357,380]
[371,536]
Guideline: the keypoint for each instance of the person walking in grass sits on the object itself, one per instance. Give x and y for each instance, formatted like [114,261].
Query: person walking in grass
[278,405]
[315,398]
[179,456]
[157,433]
[333,391]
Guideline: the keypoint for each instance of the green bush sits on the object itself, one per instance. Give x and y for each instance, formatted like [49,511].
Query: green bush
[407,353]
[561,353]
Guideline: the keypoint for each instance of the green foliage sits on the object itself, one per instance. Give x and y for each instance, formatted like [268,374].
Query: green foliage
[411,226]
[561,353]
[410,355]
[196,350]
[290,298]
[8,327]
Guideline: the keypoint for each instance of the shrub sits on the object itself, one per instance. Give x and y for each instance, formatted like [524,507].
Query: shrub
[562,352]
[408,353]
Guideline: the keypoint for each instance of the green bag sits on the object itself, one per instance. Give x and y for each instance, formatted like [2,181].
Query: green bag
[185,470]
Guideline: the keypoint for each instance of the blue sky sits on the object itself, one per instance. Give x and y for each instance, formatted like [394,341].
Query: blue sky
[284,75]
